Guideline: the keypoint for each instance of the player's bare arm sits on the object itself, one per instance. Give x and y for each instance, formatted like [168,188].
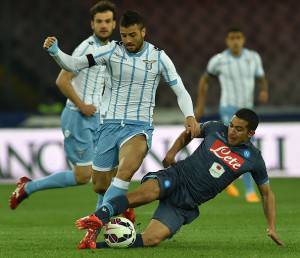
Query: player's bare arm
[201,96]
[63,82]
[263,96]
[269,210]
[183,139]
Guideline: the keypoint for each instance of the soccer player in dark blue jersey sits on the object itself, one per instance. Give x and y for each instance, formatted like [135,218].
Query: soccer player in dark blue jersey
[223,156]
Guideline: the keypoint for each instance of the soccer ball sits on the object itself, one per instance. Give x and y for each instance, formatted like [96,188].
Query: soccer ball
[119,232]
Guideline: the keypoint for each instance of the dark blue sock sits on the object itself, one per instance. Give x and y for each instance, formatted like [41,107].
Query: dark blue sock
[115,206]
[137,243]
[101,245]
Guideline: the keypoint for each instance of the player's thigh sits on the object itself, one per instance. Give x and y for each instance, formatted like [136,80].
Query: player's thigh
[107,151]
[102,179]
[83,174]
[155,233]
[131,156]
[145,193]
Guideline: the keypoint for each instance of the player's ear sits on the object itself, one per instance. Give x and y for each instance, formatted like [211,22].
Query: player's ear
[143,31]
[114,24]
[251,133]
[92,25]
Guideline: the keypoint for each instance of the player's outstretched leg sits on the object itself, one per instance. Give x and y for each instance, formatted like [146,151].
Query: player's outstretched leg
[131,156]
[145,193]
[251,195]
[26,186]
[153,235]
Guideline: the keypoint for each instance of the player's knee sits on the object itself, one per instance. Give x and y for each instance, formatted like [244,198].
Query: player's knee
[152,192]
[82,175]
[100,187]
[83,179]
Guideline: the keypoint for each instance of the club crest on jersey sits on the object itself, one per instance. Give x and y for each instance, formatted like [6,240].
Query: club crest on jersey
[246,154]
[223,152]
[149,63]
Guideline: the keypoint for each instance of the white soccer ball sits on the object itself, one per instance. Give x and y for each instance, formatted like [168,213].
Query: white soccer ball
[119,232]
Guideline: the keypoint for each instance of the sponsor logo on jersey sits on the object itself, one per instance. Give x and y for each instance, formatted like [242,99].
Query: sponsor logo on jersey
[223,152]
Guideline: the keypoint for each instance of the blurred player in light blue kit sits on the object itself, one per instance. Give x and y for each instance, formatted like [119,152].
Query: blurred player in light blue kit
[80,119]
[237,68]
[135,67]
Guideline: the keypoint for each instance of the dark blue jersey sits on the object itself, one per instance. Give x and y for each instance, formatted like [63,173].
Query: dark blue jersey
[215,164]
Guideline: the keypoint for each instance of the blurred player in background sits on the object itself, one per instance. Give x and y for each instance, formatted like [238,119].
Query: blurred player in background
[236,68]
[81,117]
[225,153]
[135,67]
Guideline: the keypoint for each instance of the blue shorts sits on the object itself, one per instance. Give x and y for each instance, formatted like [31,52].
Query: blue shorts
[79,136]
[112,135]
[226,113]
[176,206]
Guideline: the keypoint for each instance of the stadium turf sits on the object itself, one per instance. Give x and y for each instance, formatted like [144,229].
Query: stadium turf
[43,226]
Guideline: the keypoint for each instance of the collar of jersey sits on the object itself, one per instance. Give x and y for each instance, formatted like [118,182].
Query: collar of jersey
[237,57]
[98,41]
[146,45]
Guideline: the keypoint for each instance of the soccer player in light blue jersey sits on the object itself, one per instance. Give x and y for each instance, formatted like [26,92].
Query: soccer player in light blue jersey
[81,117]
[135,67]
[237,69]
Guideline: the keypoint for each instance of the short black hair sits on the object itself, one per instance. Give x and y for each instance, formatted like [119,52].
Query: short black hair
[103,6]
[234,29]
[250,116]
[130,18]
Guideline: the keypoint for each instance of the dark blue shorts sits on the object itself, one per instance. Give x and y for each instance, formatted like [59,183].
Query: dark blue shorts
[176,206]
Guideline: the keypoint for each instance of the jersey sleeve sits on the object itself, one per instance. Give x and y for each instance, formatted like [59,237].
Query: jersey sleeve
[213,65]
[259,173]
[102,54]
[259,70]
[168,70]
[209,128]
[81,49]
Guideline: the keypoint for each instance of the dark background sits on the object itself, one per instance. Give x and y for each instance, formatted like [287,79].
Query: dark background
[189,31]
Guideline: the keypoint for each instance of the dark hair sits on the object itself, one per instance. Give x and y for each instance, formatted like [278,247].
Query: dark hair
[250,116]
[130,18]
[234,29]
[103,6]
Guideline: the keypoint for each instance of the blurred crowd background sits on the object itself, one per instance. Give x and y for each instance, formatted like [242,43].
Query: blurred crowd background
[190,31]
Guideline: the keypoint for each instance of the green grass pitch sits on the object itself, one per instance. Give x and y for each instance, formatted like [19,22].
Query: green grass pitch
[43,226]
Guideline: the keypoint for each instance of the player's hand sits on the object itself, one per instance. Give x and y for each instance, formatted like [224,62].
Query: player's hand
[169,159]
[263,96]
[87,109]
[191,126]
[272,234]
[51,45]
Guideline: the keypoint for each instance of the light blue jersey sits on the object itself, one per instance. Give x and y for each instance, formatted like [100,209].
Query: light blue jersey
[134,79]
[237,76]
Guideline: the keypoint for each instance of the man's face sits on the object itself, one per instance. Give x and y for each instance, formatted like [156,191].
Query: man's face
[133,37]
[235,41]
[238,131]
[103,25]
